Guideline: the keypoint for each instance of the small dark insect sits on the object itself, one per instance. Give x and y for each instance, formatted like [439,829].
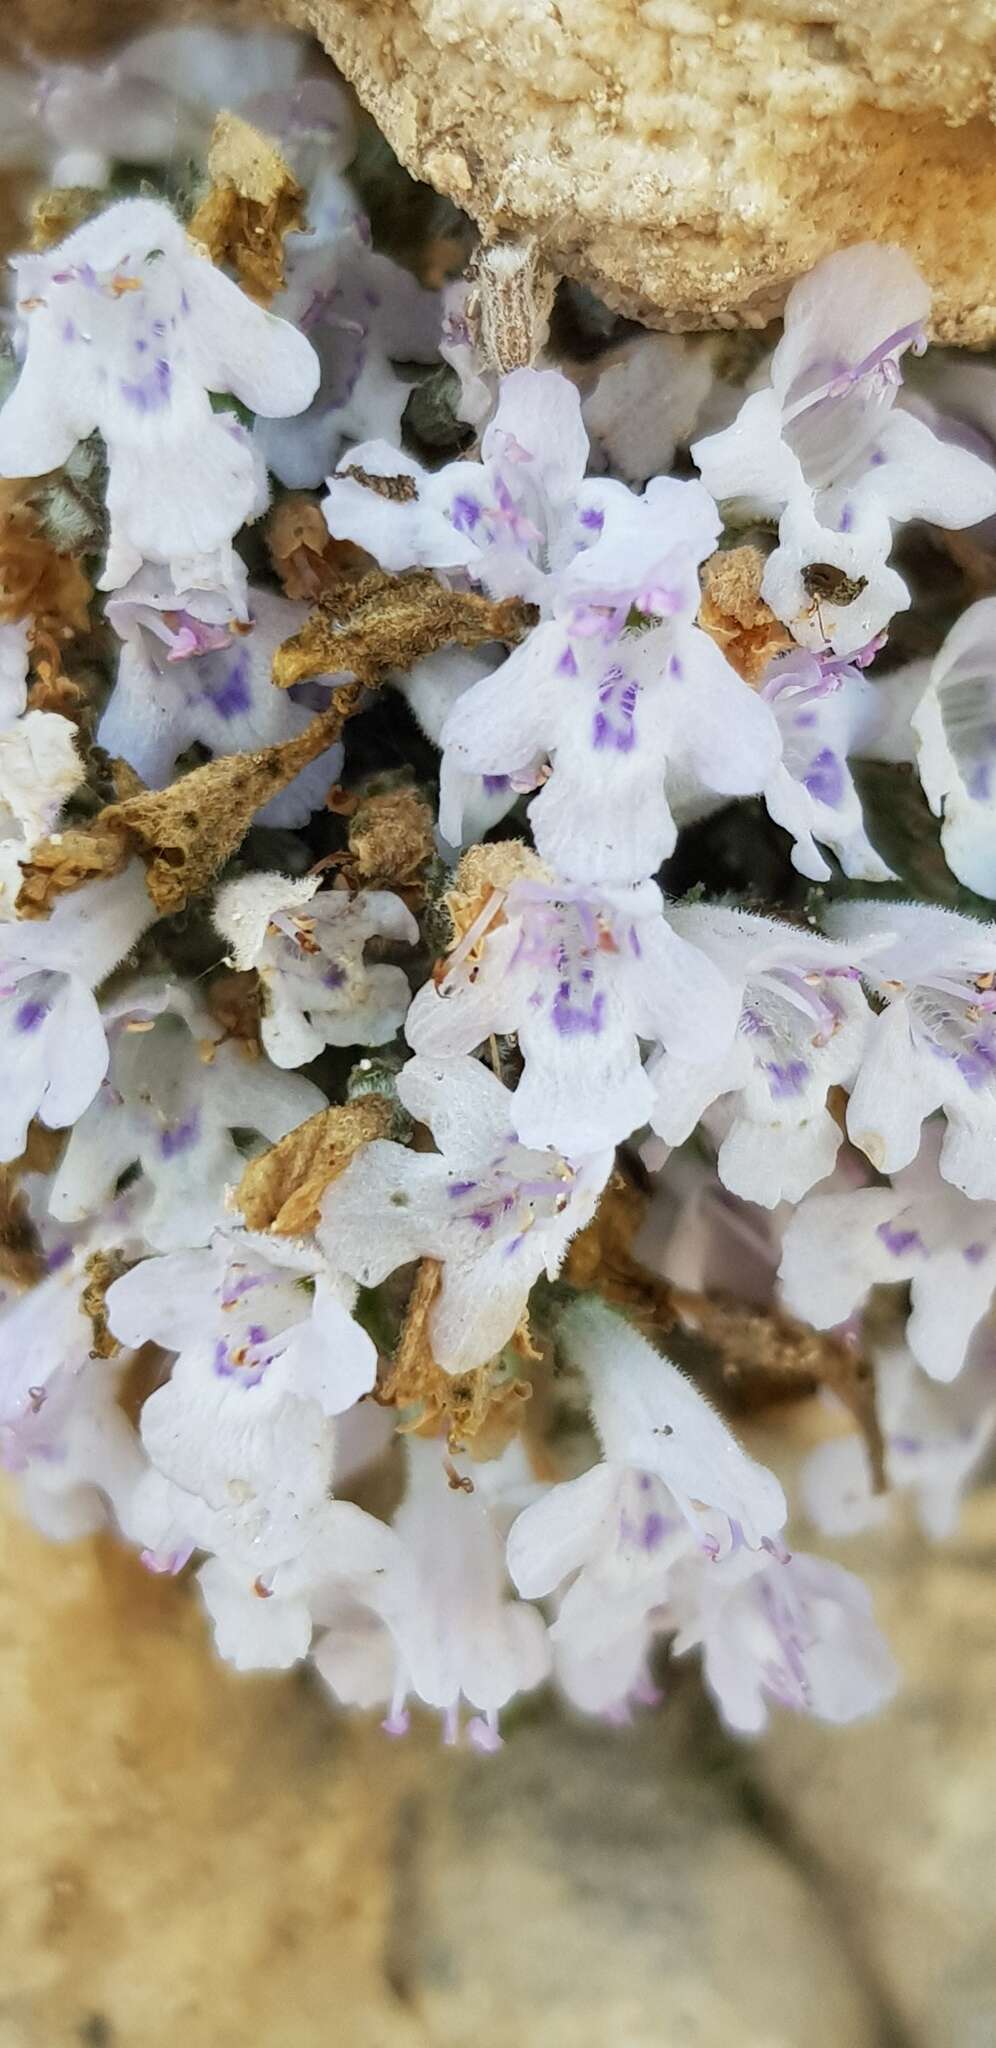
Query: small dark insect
[400,489]
[824,583]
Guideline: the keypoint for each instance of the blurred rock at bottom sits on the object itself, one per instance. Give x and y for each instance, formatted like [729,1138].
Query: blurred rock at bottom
[189,1857]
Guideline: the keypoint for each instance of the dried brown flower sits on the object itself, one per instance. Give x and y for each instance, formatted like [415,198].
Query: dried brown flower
[478,1411]
[184,834]
[308,561]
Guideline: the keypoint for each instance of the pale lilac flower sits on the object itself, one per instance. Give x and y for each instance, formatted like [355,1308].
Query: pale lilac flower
[647,401]
[935,1436]
[934,1045]
[265,1621]
[51,1031]
[155,100]
[360,311]
[802,1029]
[309,952]
[495,1212]
[826,447]
[196,667]
[955,727]
[126,332]
[796,1631]
[170,1102]
[599,703]
[826,711]
[838,1246]
[581,976]
[438,1622]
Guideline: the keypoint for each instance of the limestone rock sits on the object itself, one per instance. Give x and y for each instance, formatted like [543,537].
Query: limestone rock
[189,1856]
[690,158]
[894,1818]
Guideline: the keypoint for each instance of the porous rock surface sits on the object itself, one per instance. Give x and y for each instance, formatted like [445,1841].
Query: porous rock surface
[690,158]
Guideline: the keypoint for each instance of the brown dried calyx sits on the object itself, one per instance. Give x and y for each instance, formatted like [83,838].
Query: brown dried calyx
[184,834]
[510,302]
[391,840]
[479,1411]
[282,1190]
[482,881]
[21,1256]
[735,615]
[254,202]
[308,561]
[386,623]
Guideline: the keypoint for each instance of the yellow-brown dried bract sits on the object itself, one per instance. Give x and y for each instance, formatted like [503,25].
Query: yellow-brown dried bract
[48,589]
[386,623]
[735,615]
[254,202]
[478,1411]
[282,1190]
[102,1269]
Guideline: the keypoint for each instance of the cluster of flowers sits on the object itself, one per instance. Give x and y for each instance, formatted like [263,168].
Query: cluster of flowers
[604,1011]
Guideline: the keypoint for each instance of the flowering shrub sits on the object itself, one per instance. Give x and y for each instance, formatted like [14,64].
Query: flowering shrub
[458,944]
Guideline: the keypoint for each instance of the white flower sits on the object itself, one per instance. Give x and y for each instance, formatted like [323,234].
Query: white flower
[308,950]
[955,726]
[673,1480]
[469,804]
[254,1308]
[826,710]
[170,1103]
[617,690]
[39,764]
[51,1031]
[581,976]
[827,448]
[838,1246]
[798,1631]
[242,1472]
[934,1435]
[438,1622]
[264,1621]
[127,331]
[195,666]
[495,1213]
[934,1045]
[802,1029]
[514,520]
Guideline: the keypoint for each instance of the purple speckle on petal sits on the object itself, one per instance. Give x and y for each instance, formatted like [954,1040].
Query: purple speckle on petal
[494,785]
[334,976]
[824,778]
[567,665]
[974,1253]
[465,512]
[180,1137]
[573,1020]
[592,519]
[788,1079]
[30,1015]
[899,1242]
[232,695]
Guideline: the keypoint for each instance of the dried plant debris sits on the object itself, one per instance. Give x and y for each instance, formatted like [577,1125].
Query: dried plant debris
[387,623]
